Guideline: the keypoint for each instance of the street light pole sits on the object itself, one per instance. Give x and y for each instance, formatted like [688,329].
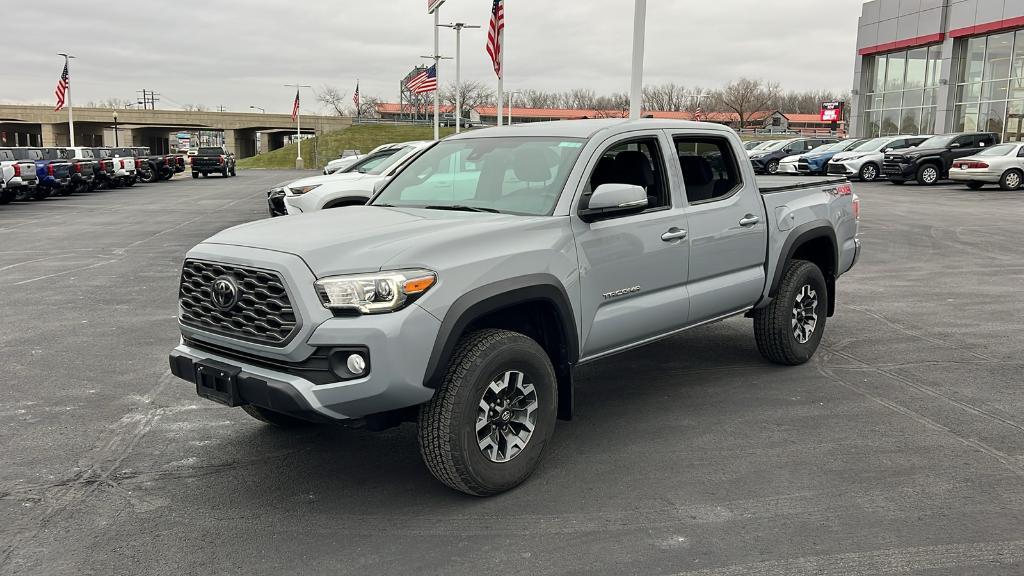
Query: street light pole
[510,96]
[116,144]
[258,108]
[299,164]
[67,98]
[458,27]
[639,31]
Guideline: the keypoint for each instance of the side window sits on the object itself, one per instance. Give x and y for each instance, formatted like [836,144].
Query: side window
[986,140]
[966,141]
[1020,153]
[637,162]
[896,145]
[709,168]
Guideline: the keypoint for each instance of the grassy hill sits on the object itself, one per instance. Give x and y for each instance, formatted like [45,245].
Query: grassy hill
[364,137]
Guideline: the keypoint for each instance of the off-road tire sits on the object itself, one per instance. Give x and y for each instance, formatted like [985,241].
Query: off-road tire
[447,423]
[275,418]
[773,324]
[975,185]
[924,175]
[1008,179]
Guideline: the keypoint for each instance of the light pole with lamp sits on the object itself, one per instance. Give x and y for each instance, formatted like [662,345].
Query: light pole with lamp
[458,26]
[116,145]
[258,108]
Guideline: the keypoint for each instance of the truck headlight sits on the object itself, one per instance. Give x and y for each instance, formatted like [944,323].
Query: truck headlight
[300,190]
[374,293]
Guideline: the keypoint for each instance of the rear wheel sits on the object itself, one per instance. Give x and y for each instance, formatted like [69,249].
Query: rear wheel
[975,185]
[275,418]
[149,176]
[195,174]
[928,175]
[41,193]
[486,427]
[1011,180]
[868,172]
[789,329]
[233,173]
[7,196]
[224,173]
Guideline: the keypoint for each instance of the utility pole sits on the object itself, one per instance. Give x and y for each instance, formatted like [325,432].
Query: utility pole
[299,164]
[458,27]
[639,32]
[221,108]
[67,99]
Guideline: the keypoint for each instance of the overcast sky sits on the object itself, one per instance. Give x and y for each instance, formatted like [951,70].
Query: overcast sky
[239,53]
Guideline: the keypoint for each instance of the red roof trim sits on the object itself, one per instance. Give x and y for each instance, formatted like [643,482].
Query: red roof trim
[901,44]
[997,26]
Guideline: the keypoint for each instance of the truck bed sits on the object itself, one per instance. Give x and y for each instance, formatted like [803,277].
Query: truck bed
[770,184]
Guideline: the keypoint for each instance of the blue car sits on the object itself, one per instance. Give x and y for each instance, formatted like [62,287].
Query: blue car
[816,161]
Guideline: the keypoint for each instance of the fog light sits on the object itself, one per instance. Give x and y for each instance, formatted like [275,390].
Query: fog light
[356,364]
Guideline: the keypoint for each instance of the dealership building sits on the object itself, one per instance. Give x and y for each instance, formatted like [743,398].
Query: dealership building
[937,66]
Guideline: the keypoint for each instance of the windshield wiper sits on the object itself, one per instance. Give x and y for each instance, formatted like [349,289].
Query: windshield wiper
[464,208]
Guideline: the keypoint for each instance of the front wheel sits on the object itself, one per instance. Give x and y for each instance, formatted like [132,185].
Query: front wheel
[789,329]
[772,167]
[1012,180]
[486,427]
[868,172]
[233,173]
[928,175]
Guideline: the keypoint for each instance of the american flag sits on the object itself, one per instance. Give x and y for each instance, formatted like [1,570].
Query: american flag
[295,107]
[494,34]
[62,87]
[425,81]
[355,98]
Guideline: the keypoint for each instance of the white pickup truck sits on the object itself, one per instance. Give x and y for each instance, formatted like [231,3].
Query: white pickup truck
[18,178]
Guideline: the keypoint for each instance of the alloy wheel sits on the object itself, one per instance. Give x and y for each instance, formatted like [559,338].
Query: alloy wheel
[506,416]
[869,173]
[930,175]
[805,314]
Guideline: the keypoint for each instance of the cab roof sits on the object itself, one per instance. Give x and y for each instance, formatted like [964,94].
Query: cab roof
[586,128]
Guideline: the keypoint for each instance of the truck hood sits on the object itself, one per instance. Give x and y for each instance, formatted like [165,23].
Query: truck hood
[847,155]
[359,239]
[917,151]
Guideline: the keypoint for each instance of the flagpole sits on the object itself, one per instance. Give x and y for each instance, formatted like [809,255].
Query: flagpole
[67,93]
[437,75]
[299,164]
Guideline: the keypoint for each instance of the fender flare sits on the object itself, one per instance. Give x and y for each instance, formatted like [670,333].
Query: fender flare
[346,200]
[493,297]
[797,238]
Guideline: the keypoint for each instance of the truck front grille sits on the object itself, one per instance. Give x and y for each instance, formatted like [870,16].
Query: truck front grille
[259,310]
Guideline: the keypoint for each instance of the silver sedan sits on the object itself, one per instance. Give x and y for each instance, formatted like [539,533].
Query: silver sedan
[1002,164]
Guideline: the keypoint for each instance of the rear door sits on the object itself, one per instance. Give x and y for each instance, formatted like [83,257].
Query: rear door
[727,226]
[633,267]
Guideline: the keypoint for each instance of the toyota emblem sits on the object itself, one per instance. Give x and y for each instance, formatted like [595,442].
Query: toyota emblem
[225,292]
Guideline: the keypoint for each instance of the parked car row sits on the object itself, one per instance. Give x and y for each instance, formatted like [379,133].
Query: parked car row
[31,173]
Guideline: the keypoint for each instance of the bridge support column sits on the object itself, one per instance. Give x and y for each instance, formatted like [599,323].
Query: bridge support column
[55,135]
[231,142]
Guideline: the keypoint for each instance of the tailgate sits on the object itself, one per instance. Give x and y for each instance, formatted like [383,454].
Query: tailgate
[28,171]
[206,161]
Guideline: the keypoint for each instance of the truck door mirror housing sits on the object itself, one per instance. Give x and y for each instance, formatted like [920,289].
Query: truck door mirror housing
[380,185]
[954,145]
[614,199]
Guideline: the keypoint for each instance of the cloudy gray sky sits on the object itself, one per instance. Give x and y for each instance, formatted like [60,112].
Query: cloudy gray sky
[239,53]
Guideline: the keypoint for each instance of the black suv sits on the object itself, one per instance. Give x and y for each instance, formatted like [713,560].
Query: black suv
[766,160]
[931,160]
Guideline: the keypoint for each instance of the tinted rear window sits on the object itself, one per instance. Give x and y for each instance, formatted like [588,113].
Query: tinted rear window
[210,151]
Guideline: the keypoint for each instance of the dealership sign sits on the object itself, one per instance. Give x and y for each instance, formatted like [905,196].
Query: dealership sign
[433,5]
[831,111]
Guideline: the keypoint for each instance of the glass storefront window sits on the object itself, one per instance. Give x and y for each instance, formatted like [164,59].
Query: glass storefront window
[990,89]
[895,100]
[895,72]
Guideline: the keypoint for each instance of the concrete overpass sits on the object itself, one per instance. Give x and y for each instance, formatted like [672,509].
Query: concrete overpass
[41,126]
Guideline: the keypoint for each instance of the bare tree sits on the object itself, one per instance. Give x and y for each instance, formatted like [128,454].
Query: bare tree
[333,99]
[108,103]
[369,106]
[614,106]
[194,108]
[540,99]
[580,99]
[668,97]
[746,97]
[473,94]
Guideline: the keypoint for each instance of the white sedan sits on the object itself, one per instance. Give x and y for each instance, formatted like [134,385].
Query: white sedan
[1002,164]
[348,188]
[788,165]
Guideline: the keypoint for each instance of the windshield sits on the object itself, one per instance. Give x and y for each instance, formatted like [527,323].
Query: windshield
[773,146]
[1001,150]
[872,145]
[513,175]
[938,141]
[752,145]
[365,165]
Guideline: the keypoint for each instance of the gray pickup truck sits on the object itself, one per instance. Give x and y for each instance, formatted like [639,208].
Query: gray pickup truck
[478,277]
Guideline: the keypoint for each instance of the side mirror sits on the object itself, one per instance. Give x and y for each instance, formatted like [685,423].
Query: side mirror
[954,145]
[888,150]
[380,185]
[614,199]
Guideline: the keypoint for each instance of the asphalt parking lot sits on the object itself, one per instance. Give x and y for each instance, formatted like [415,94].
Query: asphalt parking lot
[898,450]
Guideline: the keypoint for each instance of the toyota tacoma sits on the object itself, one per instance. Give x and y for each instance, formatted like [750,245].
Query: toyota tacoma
[493,264]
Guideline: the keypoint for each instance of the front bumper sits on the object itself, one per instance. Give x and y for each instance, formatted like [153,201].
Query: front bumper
[899,171]
[985,175]
[758,164]
[788,168]
[398,347]
[275,203]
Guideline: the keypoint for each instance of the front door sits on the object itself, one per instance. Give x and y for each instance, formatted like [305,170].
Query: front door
[633,268]
[727,226]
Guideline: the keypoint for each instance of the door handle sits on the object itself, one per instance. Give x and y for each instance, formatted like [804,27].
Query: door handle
[749,220]
[673,234]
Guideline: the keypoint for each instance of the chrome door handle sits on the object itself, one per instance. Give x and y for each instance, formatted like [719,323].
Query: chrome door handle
[749,220]
[673,234]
